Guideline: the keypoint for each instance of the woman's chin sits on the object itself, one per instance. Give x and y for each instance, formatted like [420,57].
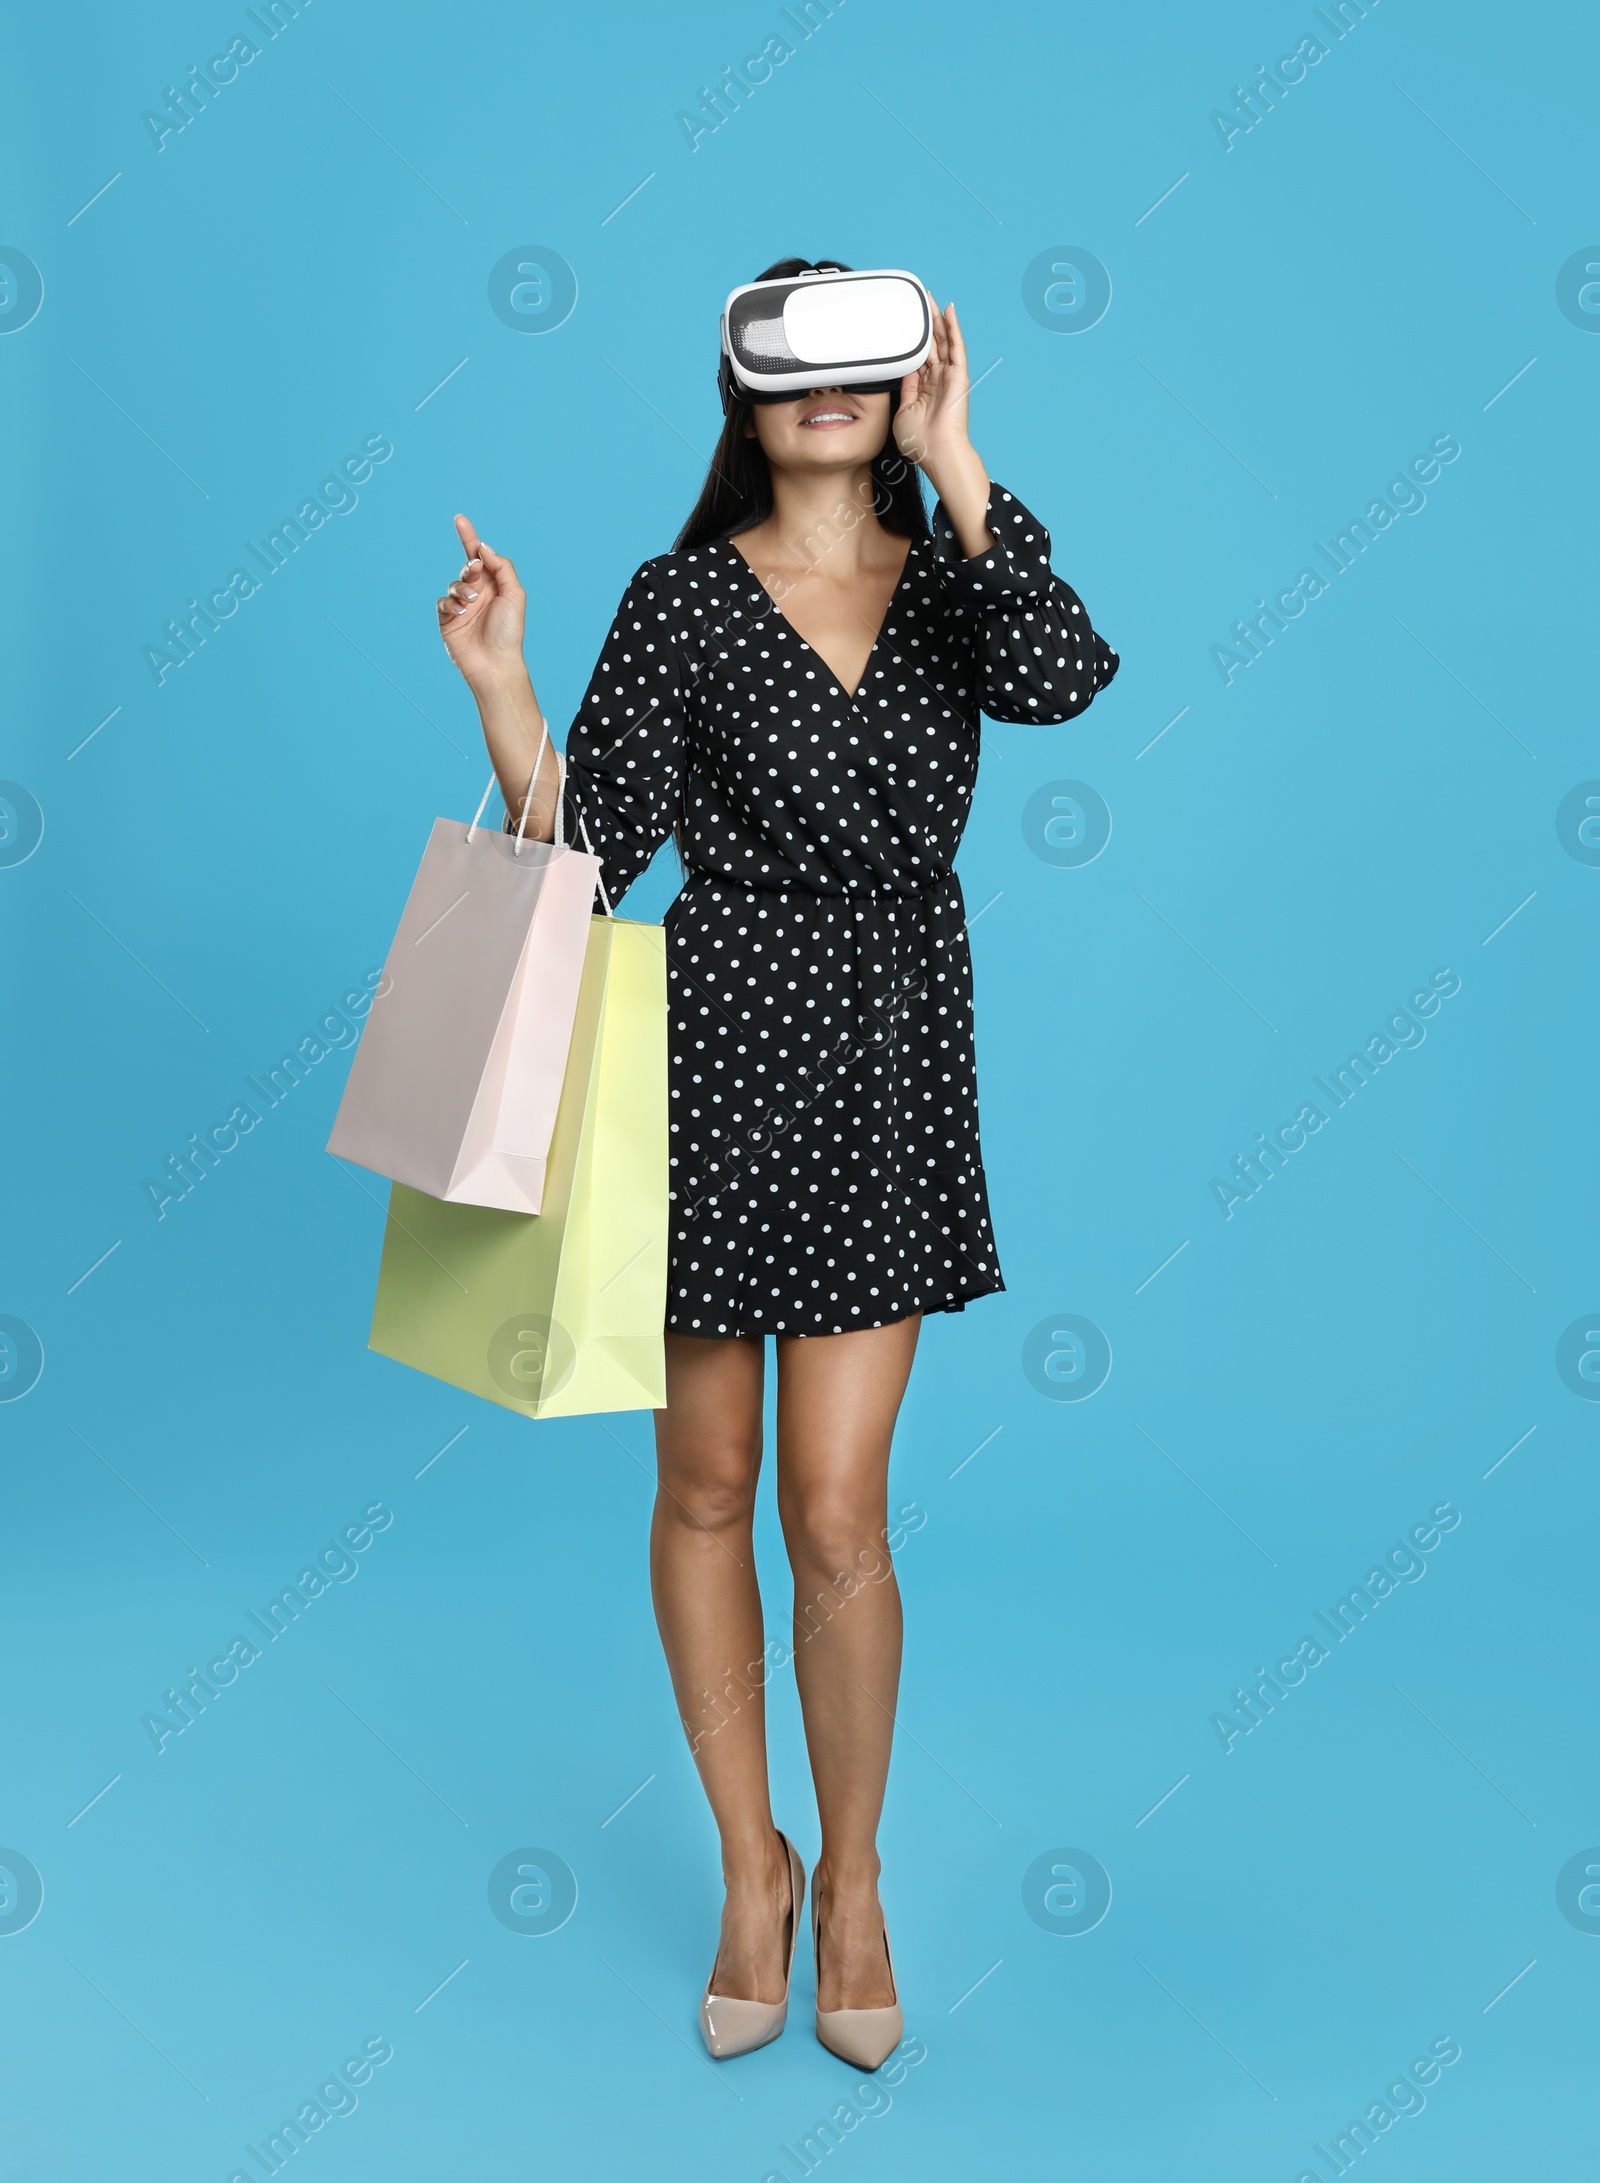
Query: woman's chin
[828,451]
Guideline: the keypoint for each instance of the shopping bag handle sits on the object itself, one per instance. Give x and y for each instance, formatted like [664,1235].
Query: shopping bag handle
[561,798]
[538,761]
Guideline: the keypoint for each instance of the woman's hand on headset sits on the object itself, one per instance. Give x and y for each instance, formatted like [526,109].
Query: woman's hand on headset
[932,417]
[930,429]
[483,615]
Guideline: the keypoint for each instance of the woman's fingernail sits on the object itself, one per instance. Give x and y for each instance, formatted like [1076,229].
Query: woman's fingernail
[472,594]
[474,564]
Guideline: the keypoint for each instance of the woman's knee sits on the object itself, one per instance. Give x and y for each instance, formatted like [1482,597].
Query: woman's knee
[708,1438]
[838,1532]
[711,1487]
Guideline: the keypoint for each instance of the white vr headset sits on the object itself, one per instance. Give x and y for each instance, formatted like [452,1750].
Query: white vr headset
[781,338]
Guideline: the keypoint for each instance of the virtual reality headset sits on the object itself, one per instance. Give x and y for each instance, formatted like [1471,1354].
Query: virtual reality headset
[781,338]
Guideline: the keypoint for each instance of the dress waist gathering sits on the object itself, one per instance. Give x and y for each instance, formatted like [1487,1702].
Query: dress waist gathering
[908,889]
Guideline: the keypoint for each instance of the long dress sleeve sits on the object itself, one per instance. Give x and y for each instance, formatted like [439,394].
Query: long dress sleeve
[1036,655]
[624,754]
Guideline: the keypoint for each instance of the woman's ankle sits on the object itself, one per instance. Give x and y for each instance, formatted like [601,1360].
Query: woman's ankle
[753,1860]
[849,1878]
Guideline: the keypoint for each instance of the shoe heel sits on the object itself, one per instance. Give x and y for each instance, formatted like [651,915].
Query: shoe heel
[730,2026]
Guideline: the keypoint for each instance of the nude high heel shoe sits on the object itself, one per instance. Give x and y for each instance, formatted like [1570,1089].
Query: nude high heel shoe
[729,2026]
[863,2037]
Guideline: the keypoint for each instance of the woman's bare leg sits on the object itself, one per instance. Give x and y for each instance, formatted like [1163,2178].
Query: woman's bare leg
[838,1396]
[708,1610]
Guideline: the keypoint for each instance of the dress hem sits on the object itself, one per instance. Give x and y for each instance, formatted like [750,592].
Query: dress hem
[956,1300]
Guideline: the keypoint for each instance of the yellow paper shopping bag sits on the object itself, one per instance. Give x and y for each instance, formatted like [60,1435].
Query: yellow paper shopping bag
[558,1313]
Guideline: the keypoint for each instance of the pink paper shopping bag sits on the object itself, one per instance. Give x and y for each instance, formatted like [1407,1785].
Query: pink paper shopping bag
[457,1078]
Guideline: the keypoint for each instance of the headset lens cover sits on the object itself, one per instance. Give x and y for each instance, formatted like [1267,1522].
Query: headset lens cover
[833,329]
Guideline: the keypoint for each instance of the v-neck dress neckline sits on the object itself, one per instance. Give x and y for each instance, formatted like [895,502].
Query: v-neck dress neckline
[849,696]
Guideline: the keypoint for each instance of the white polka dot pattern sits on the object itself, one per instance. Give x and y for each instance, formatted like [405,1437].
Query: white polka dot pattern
[826,1170]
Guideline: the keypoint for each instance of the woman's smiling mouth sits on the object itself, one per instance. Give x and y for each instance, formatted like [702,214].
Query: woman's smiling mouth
[828,420]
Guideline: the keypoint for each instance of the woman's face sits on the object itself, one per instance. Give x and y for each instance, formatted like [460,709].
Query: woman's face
[834,428]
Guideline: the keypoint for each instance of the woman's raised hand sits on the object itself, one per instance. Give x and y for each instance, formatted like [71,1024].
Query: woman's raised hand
[481,619]
[930,429]
[931,421]
[482,616]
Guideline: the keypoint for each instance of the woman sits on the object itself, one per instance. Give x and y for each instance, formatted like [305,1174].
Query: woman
[794,692]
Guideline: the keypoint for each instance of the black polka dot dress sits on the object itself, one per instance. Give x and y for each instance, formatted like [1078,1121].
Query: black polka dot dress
[825,1163]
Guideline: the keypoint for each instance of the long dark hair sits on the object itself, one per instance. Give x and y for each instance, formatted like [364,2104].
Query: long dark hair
[737,493]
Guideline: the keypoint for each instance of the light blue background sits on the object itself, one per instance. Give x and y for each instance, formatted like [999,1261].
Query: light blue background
[1367,803]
